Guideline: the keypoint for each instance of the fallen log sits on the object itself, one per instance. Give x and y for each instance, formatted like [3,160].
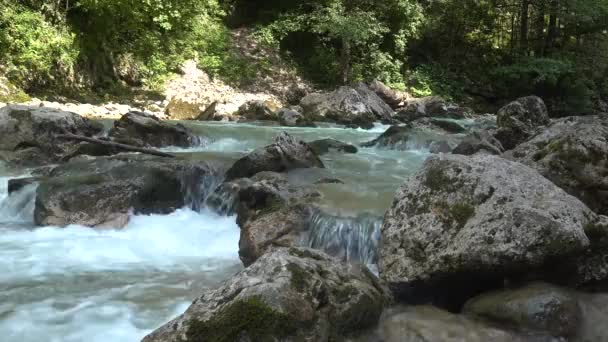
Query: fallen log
[119,146]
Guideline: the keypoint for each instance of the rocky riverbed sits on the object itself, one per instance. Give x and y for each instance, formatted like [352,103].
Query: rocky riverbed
[358,215]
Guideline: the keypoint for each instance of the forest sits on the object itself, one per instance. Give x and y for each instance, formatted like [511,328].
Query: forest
[479,52]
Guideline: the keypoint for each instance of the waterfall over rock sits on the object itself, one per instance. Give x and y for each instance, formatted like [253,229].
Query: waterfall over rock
[349,238]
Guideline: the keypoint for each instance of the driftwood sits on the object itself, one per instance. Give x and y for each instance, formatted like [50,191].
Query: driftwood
[115,145]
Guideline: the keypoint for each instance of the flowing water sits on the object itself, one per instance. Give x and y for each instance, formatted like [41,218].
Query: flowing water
[79,284]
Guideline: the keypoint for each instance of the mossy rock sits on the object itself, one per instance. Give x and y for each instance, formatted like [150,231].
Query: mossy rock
[250,317]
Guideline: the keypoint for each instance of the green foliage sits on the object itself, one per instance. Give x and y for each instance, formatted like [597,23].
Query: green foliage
[32,50]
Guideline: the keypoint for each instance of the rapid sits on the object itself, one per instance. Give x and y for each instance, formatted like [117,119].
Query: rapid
[77,284]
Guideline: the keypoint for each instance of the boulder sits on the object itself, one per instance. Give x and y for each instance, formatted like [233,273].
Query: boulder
[28,134]
[536,306]
[479,141]
[589,270]
[467,222]
[141,129]
[572,153]
[429,324]
[324,146]
[284,154]
[395,137]
[433,107]
[102,192]
[358,107]
[182,109]
[258,110]
[442,146]
[292,117]
[519,120]
[270,212]
[209,113]
[448,126]
[291,294]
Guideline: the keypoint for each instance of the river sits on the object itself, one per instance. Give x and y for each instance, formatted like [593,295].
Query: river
[76,284]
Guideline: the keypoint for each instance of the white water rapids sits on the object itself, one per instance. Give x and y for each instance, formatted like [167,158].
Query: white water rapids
[77,284]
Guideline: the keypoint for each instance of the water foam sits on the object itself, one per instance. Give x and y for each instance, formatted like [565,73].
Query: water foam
[179,240]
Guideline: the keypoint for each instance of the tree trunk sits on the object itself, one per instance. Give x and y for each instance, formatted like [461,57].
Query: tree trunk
[345,61]
[524,26]
[552,31]
[118,146]
[539,28]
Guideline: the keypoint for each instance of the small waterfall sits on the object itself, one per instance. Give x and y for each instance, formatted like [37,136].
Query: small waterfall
[18,206]
[349,238]
[197,187]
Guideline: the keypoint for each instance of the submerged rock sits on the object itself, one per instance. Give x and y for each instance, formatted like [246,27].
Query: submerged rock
[479,142]
[572,153]
[141,129]
[291,294]
[518,120]
[324,146]
[429,324]
[102,192]
[28,134]
[358,106]
[464,223]
[286,153]
[448,126]
[395,137]
[537,306]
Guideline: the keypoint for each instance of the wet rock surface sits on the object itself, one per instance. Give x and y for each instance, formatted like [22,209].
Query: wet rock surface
[291,294]
[324,146]
[466,222]
[286,153]
[103,192]
[270,212]
[140,129]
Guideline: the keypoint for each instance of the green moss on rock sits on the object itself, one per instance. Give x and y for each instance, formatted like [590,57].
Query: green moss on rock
[299,277]
[436,179]
[461,213]
[250,317]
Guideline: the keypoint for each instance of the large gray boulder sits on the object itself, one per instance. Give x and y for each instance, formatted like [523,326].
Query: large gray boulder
[292,294]
[395,137]
[572,153]
[141,129]
[284,154]
[536,306]
[103,192]
[429,324]
[519,120]
[482,217]
[358,106]
[28,134]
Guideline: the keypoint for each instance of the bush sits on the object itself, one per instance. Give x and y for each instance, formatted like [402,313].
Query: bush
[34,51]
